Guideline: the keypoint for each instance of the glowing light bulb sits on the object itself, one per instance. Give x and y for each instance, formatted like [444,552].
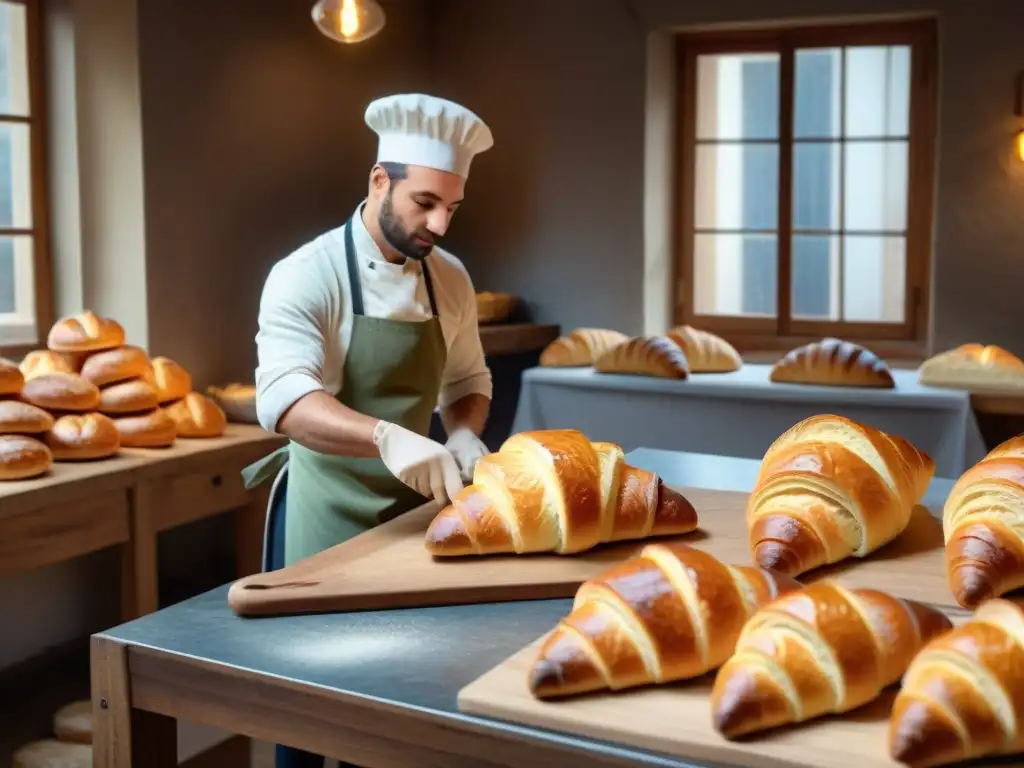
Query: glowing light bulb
[349,21]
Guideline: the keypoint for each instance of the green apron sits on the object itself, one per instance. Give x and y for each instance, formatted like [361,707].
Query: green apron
[392,372]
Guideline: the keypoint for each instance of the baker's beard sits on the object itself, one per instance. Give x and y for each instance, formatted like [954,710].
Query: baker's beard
[397,236]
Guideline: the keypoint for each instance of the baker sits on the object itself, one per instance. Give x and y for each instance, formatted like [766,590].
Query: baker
[363,332]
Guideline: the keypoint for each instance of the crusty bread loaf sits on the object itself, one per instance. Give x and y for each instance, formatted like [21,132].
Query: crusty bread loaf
[983,526]
[830,488]
[18,418]
[40,361]
[705,352]
[51,753]
[147,430]
[22,457]
[113,365]
[196,415]
[132,396]
[819,650]
[11,378]
[670,613]
[579,348]
[832,362]
[555,491]
[656,356]
[85,332]
[973,366]
[963,695]
[82,437]
[238,401]
[172,381]
[61,392]
[72,723]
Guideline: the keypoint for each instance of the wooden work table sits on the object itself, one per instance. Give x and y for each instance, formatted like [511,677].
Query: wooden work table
[515,338]
[128,500]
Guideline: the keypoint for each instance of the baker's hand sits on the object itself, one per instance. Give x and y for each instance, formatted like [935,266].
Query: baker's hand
[423,464]
[466,447]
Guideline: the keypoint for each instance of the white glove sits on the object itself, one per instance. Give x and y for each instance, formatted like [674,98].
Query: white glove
[466,447]
[423,464]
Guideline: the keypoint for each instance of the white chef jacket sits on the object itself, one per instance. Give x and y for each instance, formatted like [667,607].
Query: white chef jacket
[305,318]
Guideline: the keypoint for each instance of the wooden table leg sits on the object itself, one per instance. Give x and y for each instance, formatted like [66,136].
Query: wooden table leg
[144,595]
[250,522]
[124,737]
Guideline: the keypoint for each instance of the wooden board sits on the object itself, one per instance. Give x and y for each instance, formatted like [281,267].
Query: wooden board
[389,567]
[676,720]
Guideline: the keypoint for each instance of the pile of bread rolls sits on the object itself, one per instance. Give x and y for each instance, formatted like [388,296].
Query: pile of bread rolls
[88,394]
[69,747]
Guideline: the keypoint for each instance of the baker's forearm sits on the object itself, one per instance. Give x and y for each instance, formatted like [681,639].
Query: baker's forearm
[469,412]
[322,424]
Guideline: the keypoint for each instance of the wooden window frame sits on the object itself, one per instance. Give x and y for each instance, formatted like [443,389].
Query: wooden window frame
[39,195]
[783,332]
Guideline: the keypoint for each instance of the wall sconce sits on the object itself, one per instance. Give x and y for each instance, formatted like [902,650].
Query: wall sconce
[1019,112]
[349,21]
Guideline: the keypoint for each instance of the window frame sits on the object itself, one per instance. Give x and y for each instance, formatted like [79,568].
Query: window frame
[39,195]
[783,332]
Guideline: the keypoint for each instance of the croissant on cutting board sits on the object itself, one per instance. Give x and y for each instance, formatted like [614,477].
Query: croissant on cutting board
[833,362]
[823,649]
[556,491]
[963,695]
[983,526]
[656,356]
[579,348]
[830,488]
[671,613]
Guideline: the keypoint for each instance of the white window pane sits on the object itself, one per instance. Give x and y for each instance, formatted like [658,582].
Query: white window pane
[816,174]
[7,292]
[874,279]
[738,96]
[737,186]
[877,91]
[14,91]
[17,279]
[15,176]
[814,291]
[735,275]
[817,89]
[875,190]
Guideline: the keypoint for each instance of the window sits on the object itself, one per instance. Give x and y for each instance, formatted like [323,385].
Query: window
[805,182]
[24,289]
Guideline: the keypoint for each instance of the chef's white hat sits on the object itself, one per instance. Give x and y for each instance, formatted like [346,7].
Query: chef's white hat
[416,129]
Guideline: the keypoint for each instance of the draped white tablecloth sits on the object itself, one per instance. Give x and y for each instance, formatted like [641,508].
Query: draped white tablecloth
[741,413]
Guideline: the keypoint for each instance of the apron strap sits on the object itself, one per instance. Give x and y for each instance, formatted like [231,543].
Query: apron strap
[355,285]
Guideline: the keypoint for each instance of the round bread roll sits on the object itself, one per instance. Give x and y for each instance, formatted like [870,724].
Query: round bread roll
[40,361]
[147,430]
[132,396]
[23,457]
[61,392]
[82,437]
[197,415]
[18,418]
[73,722]
[113,365]
[172,381]
[50,753]
[11,378]
[85,332]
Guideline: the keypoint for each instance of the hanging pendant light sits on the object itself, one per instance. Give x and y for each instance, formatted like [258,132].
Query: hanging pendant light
[349,21]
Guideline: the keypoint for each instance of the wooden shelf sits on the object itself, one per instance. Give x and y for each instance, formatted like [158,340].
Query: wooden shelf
[514,338]
[1001,403]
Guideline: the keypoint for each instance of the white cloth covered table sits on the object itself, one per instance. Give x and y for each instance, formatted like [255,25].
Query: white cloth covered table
[741,413]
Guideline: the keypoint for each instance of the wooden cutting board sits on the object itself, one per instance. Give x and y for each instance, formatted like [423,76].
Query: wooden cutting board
[675,720]
[389,566]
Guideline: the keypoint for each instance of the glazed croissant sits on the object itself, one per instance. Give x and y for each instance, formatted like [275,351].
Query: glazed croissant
[823,649]
[963,695]
[971,366]
[830,488]
[580,347]
[671,613]
[983,525]
[705,352]
[645,356]
[833,362]
[555,491]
